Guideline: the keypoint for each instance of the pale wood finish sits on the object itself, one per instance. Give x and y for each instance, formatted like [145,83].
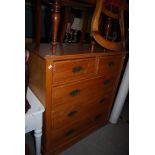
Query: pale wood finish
[63,94]
[67,114]
[77,131]
[75,105]
[37,76]
[76,138]
[73,69]
[109,65]
[77,84]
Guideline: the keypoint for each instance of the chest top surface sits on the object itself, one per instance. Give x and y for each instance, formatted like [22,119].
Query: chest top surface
[71,51]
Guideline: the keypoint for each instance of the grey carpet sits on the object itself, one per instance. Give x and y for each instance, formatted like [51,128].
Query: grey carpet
[109,140]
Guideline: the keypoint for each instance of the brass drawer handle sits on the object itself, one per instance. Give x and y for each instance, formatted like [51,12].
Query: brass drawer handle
[72,113]
[98,117]
[77,69]
[111,63]
[75,92]
[102,101]
[69,132]
[106,82]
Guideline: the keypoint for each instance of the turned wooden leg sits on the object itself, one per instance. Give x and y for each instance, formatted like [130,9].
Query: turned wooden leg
[37,135]
[55,23]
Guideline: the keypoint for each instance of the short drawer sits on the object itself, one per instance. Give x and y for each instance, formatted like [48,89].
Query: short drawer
[73,69]
[109,65]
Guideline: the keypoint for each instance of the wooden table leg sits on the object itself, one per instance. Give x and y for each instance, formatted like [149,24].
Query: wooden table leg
[55,23]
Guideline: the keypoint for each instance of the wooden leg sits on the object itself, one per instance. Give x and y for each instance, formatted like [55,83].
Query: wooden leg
[37,135]
[55,24]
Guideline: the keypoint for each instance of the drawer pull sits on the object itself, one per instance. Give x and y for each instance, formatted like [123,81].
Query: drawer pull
[77,69]
[111,63]
[70,132]
[72,113]
[98,117]
[102,101]
[75,92]
[106,82]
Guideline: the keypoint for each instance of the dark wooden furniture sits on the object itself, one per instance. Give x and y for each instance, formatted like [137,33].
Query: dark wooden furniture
[55,17]
[84,5]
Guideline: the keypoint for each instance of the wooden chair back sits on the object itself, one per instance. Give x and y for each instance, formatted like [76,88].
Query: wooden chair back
[111,45]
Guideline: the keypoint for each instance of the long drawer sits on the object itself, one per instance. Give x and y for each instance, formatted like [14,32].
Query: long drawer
[72,70]
[81,92]
[66,133]
[70,131]
[67,114]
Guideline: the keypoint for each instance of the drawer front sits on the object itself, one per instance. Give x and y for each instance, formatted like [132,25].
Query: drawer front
[82,92]
[109,65]
[67,133]
[71,94]
[68,114]
[104,84]
[98,111]
[99,102]
[73,69]
[99,116]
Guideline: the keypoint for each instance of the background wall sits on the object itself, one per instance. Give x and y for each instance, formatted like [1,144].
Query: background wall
[30,22]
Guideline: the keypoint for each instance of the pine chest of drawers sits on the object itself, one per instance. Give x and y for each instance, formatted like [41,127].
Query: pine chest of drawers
[77,90]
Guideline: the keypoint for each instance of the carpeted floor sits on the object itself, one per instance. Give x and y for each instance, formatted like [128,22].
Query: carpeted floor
[109,140]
